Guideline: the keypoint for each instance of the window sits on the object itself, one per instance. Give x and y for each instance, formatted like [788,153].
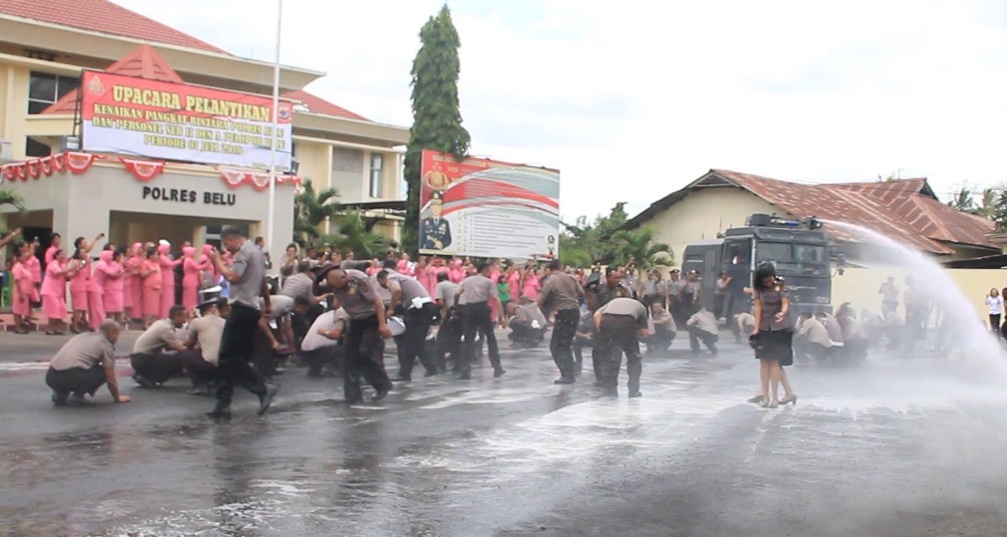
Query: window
[44,89]
[347,160]
[34,148]
[810,259]
[377,160]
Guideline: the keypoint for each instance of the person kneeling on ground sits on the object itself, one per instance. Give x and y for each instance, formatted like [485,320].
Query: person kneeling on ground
[811,339]
[745,323]
[322,347]
[527,324]
[620,322]
[665,329]
[83,364]
[151,366]
[703,327]
[205,333]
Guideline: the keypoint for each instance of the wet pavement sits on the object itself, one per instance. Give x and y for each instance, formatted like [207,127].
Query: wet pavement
[897,447]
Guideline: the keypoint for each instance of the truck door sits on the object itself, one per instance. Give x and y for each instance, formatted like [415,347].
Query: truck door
[710,275]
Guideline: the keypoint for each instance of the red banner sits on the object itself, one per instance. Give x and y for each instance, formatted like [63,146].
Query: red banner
[139,117]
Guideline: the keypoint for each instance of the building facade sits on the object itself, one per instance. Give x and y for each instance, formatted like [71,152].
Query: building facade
[907,211]
[45,47]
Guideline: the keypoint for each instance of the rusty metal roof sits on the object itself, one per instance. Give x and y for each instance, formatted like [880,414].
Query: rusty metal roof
[906,210]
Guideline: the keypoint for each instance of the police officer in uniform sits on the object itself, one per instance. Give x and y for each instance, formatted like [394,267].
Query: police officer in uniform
[599,294]
[478,292]
[411,300]
[365,345]
[434,230]
[619,324]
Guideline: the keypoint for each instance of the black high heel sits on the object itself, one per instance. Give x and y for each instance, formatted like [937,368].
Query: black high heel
[792,400]
[757,399]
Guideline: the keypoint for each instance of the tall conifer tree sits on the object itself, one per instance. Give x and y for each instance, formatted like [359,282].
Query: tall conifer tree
[437,120]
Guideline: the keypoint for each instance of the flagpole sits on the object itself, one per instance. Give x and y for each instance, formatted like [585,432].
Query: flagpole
[276,129]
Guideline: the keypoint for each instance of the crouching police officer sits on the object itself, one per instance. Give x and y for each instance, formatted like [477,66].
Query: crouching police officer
[619,323]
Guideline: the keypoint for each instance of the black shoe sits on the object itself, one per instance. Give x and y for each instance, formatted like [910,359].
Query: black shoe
[465,376]
[401,378]
[564,380]
[144,382]
[431,373]
[200,390]
[224,414]
[637,393]
[60,399]
[612,392]
[266,399]
[499,372]
[279,371]
[381,392]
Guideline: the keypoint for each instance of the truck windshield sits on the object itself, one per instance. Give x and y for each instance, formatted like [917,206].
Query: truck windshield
[794,258]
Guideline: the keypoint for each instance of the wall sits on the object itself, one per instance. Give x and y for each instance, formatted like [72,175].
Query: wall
[860,286]
[704,213]
[14,99]
[82,204]
[348,173]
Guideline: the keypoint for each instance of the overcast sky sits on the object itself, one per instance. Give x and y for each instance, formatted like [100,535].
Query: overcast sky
[632,100]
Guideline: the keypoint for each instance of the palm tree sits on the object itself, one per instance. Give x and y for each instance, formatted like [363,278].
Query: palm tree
[639,245]
[311,209]
[355,235]
[14,199]
[963,200]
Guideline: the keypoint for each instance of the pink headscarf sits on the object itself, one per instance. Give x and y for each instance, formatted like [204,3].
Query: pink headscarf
[189,251]
[207,248]
[163,249]
[106,255]
[137,247]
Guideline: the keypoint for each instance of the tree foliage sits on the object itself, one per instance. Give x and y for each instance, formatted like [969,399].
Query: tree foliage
[355,235]
[311,209]
[603,240]
[437,119]
[14,199]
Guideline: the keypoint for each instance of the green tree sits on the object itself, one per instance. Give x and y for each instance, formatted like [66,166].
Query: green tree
[14,199]
[962,199]
[311,209]
[604,240]
[987,204]
[640,245]
[355,235]
[437,120]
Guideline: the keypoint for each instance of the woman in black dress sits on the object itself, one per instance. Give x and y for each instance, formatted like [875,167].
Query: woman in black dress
[773,336]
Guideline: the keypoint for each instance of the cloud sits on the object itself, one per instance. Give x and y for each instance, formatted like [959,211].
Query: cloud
[636,99]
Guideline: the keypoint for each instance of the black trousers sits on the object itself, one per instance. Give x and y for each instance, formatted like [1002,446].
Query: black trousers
[523,334]
[364,357]
[76,380]
[301,323]
[475,318]
[237,347]
[200,372]
[561,346]
[619,332]
[158,367]
[317,359]
[660,340]
[579,344]
[696,335]
[412,344]
[449,341]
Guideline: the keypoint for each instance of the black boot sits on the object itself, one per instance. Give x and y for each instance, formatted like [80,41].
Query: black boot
[222,411]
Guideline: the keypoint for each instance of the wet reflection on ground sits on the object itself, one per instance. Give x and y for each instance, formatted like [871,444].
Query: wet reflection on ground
[519,456]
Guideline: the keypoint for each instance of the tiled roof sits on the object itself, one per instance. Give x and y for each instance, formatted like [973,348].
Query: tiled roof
[317,105]
[903,210]
[143,62]
[104,17]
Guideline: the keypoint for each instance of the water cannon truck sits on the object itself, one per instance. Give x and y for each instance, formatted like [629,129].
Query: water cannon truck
[798,248]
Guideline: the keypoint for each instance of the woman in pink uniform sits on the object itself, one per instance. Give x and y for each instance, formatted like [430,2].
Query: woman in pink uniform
[405,266]
[114,293]
[532,284]
[55,240]
[96,290]
[513,278]
[208,271]
[457,271]
[134,283]
[34,266]
[425,275]
[54,292]
[78,291]
[190,278]
[24,292]
[167,278]
[150,272]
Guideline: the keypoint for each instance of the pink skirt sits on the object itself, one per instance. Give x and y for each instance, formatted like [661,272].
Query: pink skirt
[112,301]
[190,296]
[95,309]
[20,307]
[167,300]
[151,302]
[53,307]
[135,296]
[78,299]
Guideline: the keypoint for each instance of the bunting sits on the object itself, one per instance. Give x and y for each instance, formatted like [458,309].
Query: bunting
[258,180]
[143,170]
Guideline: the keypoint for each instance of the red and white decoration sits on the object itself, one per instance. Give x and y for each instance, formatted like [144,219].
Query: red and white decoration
[37,167]
[143,170]
[258,180]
